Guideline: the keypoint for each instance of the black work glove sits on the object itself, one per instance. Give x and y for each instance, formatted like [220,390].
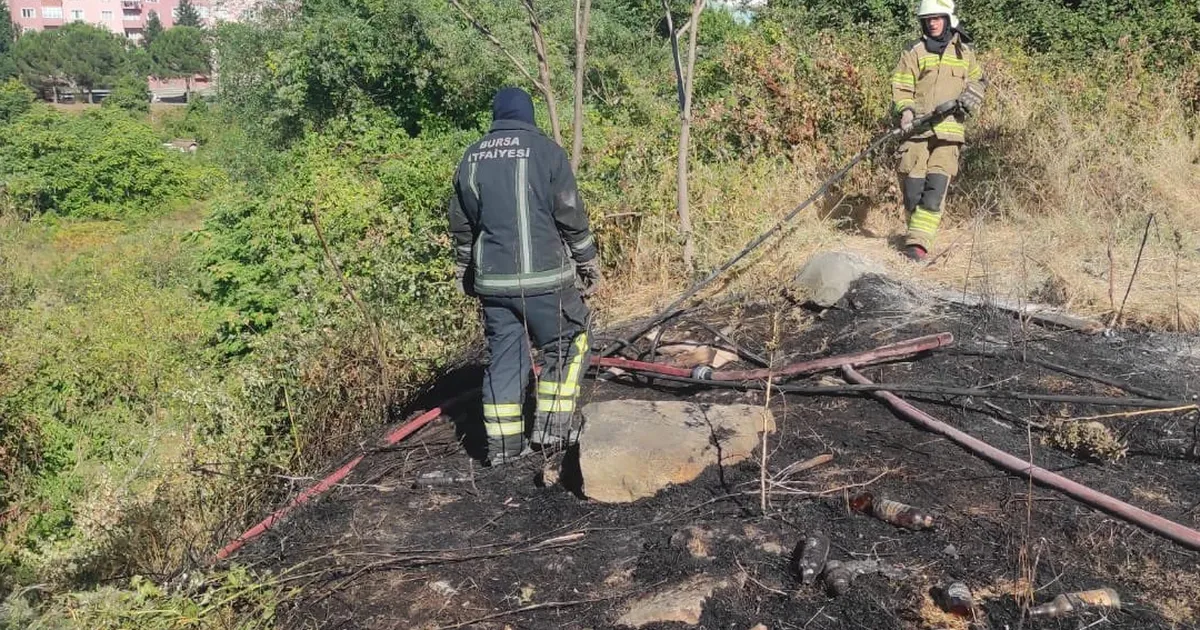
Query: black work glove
[970,100]
[460,280]
[589,276]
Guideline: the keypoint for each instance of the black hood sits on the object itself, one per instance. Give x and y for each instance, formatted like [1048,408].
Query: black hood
[937,45]
[513,104]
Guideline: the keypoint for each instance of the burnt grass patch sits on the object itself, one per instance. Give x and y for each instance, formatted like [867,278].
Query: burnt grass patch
[380,551]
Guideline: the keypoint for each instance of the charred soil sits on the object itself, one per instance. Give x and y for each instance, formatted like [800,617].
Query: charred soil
[503,550]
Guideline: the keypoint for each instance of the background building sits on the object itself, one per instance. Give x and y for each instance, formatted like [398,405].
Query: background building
[127,17]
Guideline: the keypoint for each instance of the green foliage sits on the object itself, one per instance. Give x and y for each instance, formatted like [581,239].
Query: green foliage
[221,339]
[187,15]
[15,100]
[36,58]
[154,28]
[182,51]
[335,60]
[1075,31]
[78,56]
[8,34]
[384,220]
[212,601]
[99,164]
[131,93]
[91,56]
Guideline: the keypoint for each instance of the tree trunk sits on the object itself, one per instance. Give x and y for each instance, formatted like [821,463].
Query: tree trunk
[187,90]
[539,44]
[583,15]
[91,97]
[685,133]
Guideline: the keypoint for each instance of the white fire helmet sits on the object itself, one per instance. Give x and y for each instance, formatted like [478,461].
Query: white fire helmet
[931,8]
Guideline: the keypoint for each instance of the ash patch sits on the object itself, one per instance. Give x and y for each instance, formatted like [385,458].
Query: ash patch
[499,551]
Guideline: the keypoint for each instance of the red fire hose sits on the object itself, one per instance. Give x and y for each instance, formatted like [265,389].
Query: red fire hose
[1185,536]
[325,484]
[885,353]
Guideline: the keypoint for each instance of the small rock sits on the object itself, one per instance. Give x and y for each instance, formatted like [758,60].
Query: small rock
[951,551]
[619,577]
[682,603]
[696,540]
[772,548]
[760,627]
[443,588]
[827,276]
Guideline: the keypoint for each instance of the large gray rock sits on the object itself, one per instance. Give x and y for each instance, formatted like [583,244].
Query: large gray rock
[631,449]
[683,603]
[827,276]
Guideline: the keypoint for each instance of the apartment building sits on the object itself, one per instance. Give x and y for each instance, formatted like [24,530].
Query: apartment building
[127,17]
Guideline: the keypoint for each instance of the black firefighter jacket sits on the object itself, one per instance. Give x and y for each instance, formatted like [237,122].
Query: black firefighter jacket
[516,215]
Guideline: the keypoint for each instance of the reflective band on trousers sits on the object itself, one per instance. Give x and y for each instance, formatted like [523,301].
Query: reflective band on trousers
[581,346]
[559,397]
[502,410]
[924,221]
[504,429]
[550,388]
[556,406]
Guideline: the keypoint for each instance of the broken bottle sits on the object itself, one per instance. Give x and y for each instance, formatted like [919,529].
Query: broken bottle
[1071,602]
[894,512]
[809,557]
[957,600]
[837,578]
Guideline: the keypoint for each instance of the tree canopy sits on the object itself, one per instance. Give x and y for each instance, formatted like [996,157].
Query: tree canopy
[188,15]
[79,56]
[154,28]
[180,52]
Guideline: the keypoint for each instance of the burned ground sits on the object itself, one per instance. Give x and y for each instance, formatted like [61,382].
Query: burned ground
[378,552]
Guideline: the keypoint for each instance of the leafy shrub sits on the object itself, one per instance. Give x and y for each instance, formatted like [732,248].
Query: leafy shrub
[15,100]
[131,94]
[102,164]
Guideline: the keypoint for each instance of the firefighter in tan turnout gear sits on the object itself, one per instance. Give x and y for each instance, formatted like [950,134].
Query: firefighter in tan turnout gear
[938,72]
[522,242]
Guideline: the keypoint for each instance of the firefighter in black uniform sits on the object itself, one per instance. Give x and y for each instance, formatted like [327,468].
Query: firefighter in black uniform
[522,243]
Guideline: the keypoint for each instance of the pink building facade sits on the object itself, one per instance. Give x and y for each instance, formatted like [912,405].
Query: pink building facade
[126,17]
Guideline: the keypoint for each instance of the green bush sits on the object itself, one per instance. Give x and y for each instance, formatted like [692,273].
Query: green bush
[131,94]
[15,100]
[102,164]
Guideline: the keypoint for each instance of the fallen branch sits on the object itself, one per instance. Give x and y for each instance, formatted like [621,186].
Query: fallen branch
[1049,365]
[808,464]
[1037,312]
[532,607]
[1131,414]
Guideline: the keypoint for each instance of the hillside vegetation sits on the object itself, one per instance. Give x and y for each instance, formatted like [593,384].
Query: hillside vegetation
[186,340]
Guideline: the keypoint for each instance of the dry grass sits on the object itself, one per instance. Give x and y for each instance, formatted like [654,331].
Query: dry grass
[932,616]
[1053,189]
